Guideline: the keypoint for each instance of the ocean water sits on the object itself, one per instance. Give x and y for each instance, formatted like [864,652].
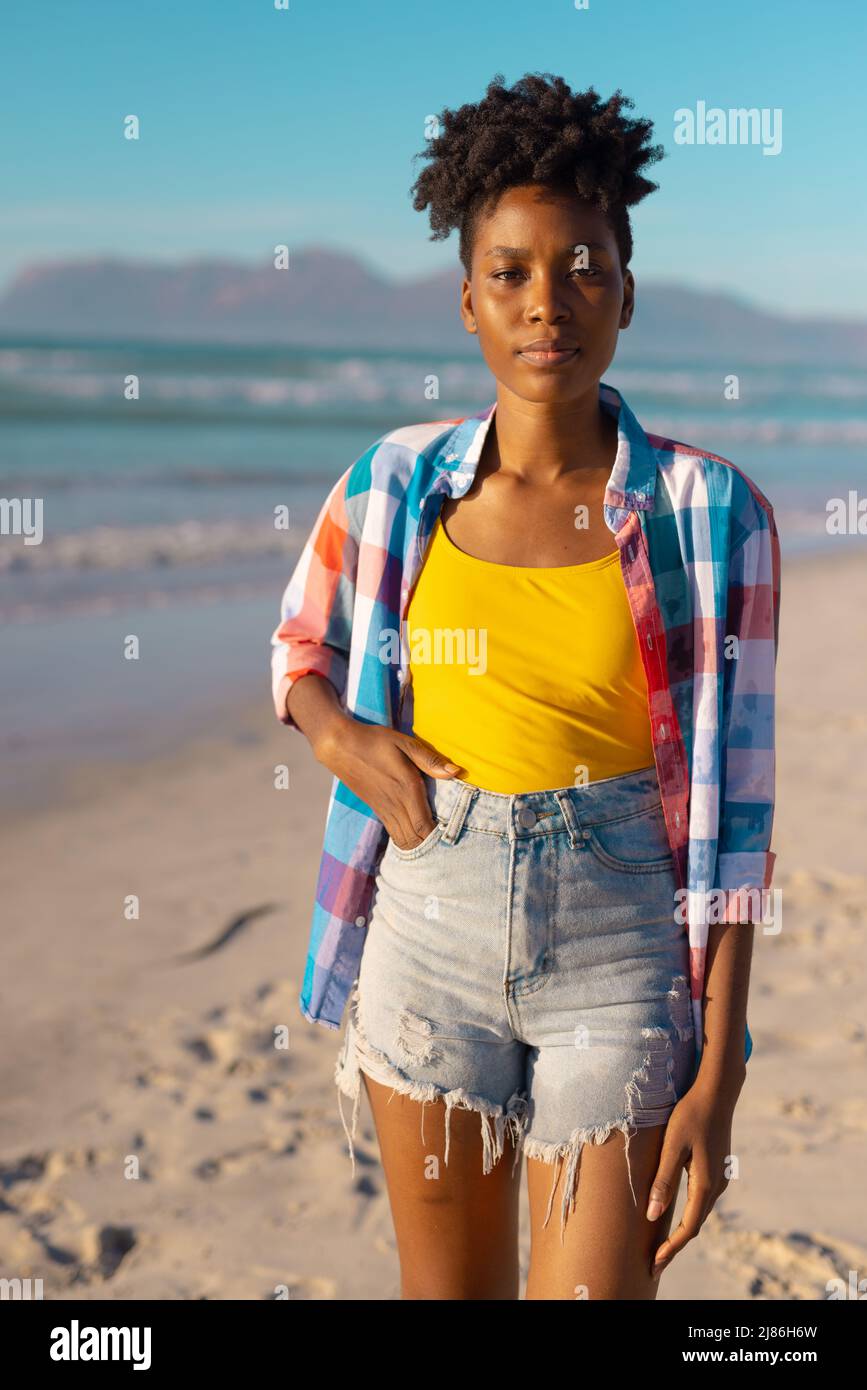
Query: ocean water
[159,511]
[176,491]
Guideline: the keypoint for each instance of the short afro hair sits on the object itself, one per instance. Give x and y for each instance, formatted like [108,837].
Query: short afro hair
[537,131]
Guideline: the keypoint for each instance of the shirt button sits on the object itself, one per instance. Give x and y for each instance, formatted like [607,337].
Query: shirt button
[650,640]
[526,817]
[421,503]
[360,921]
[662,731]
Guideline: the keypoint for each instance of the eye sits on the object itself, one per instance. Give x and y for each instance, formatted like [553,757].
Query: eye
[590,270]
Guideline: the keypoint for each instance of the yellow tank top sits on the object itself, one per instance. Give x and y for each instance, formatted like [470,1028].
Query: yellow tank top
[528,678]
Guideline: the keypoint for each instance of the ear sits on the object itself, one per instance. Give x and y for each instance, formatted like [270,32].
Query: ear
[628,299]
[469,318]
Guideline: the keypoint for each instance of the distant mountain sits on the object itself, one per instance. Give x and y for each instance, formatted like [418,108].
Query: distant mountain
[331,299]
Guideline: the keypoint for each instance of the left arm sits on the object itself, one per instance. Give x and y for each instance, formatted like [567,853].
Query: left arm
[723,1069]
[699,1131]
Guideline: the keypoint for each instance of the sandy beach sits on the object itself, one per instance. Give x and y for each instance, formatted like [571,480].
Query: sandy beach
[157,1144]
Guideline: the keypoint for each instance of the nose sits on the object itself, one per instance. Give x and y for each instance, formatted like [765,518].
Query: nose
[548,301]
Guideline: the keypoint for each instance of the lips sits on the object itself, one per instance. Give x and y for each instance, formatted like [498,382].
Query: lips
[548,354]
[549,345]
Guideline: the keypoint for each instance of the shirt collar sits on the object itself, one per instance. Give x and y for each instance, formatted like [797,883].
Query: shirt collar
[631,486]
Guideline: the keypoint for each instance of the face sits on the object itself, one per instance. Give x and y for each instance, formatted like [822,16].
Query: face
[530,283]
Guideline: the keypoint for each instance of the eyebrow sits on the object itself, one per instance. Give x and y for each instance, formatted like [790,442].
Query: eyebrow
[527,251]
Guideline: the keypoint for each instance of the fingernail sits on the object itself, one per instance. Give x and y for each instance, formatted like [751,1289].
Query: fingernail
[452,767]
[654,1209]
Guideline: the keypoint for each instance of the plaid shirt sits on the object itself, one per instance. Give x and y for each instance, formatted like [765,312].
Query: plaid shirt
[700,559]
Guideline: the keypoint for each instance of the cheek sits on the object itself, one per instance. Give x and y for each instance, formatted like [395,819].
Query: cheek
[494,314]
[496,333]
[601,333]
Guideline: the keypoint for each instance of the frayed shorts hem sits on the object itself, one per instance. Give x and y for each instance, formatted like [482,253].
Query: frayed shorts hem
[357,1056]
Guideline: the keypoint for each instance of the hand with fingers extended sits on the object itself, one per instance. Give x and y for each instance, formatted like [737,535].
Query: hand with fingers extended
[384,768]
[697,1138]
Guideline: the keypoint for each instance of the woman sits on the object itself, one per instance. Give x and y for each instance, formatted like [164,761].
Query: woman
[548,643]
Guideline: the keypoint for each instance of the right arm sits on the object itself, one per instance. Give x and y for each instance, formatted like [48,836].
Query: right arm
[313,638]
[318,603]
[378,764]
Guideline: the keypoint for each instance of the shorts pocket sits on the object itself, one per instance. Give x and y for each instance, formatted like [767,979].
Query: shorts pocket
[636,844]
[426,845]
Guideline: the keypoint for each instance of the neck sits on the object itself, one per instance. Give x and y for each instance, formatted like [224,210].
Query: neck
[542,442]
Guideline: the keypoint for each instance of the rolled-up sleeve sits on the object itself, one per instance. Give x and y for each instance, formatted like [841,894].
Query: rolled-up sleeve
[745,860]
[317,606]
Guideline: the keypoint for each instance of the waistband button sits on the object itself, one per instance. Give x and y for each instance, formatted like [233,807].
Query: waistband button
[526,817]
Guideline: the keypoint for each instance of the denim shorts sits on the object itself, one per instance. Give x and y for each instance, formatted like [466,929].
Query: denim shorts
[525,961]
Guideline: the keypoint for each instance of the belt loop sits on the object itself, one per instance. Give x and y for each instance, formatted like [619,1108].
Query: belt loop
[569,816]
[458,815]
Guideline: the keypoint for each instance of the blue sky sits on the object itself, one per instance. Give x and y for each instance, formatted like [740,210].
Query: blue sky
[262,126]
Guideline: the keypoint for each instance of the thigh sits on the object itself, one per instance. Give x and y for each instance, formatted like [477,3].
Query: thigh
[613,1051]
[446,1080]
[456,1226]
[608,1245]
